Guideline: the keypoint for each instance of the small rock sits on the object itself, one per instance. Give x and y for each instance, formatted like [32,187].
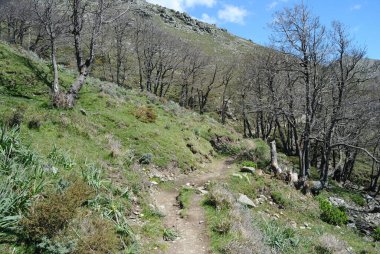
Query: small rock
[306,224]
[153,183]
[302,227]
[188,184]
[271,203]
[202,191]
[263,197]
[244,200]
[259,172]
[248,170]
[201,222]
[83,112]
[276,215]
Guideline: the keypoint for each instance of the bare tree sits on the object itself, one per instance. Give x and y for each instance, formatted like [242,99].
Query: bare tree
[52,16]
[93,15]
[300,35]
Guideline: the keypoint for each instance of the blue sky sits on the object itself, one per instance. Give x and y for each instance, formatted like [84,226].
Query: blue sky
[249,19]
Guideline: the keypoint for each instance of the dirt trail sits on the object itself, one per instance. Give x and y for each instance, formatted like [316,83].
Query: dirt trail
[192,230]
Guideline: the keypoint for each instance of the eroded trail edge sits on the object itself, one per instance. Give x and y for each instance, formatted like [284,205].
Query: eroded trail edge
[192,230]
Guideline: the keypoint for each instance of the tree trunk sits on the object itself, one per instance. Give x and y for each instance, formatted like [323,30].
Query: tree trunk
[73,92]
[55,85]
[273,156]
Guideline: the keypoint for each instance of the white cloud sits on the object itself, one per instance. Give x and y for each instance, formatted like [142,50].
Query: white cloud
[172,4]
[272,5]
[192,3]
[208,19]
[181,5]
[356,7]
[233,14]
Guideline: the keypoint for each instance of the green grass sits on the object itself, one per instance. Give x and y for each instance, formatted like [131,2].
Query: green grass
[298,208]
[104,145]
[214,218]
[184,200]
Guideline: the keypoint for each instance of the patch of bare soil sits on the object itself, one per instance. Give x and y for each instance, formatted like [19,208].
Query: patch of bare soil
[193,238]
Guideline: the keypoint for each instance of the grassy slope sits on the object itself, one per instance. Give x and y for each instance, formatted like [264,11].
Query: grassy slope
[275,223]
[110,111]
[110,135]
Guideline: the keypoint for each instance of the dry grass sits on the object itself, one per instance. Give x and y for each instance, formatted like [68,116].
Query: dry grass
[145,114]
[330,244]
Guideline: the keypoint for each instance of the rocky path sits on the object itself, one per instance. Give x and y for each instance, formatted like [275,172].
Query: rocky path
[192,230]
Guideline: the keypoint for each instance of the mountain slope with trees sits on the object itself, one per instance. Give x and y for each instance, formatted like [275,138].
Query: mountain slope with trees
[125,99]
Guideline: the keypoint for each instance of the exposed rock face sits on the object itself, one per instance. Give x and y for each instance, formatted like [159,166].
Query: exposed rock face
[174,18]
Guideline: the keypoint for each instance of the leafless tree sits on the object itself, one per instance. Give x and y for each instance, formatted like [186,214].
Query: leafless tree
[52,16]
[299,34]
[92,15]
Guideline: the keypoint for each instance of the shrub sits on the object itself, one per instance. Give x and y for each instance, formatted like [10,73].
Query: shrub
[376,234]
[34,123]
[279,198]
[279,237]
[146,159]
[261,153]
[223,226]
[50,215]
[332,215]
[98,236]
[329,244]
[220,198]
[249,164]
[145,114]
[49,246]
[15,120]
[170,234]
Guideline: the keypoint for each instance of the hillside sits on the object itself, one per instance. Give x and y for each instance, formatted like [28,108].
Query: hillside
[132,173]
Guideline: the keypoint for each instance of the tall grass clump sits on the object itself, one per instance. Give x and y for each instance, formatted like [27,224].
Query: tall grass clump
[21,179]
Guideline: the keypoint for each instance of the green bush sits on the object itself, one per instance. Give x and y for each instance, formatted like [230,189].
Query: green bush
[279,198]
[170,234]
[332,215]
[261,153]
[46,218]
[376,234]
[249,164]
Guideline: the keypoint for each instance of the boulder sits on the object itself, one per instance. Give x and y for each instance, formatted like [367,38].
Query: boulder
[244,200]
[337,202]
[248,170]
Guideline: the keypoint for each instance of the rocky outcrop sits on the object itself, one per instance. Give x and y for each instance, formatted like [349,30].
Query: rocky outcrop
[365,219]
[174,18]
